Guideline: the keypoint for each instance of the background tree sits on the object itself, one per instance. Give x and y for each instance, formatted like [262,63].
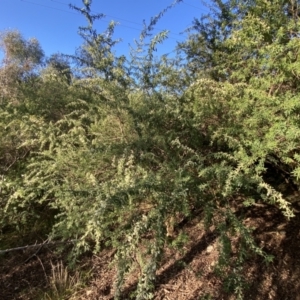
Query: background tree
[21,57]
[58,65]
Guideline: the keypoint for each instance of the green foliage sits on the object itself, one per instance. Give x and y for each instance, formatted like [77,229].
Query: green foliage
[112,159]
[18,50]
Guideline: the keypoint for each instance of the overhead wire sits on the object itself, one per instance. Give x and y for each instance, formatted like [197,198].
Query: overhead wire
[104,14]
[106,21]
[191,5]
[137,23]
[39,4]
[101,20]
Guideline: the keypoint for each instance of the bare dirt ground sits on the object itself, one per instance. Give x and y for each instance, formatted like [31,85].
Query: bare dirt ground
[185,275]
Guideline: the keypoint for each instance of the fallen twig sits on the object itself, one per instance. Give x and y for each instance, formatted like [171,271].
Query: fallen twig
[37,245]
[37,251]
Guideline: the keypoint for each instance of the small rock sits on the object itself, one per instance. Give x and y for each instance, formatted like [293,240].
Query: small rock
[209,249]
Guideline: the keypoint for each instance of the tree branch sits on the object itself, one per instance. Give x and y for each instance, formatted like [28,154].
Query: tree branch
[37,245]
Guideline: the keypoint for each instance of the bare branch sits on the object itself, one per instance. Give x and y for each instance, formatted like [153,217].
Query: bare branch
[37,245]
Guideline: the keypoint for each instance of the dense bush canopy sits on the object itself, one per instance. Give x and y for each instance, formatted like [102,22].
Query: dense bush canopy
[115,152]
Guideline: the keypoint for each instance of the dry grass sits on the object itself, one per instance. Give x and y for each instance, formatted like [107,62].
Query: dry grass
[62,285]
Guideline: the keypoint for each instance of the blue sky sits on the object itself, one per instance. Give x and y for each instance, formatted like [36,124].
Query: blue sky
[55,25]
